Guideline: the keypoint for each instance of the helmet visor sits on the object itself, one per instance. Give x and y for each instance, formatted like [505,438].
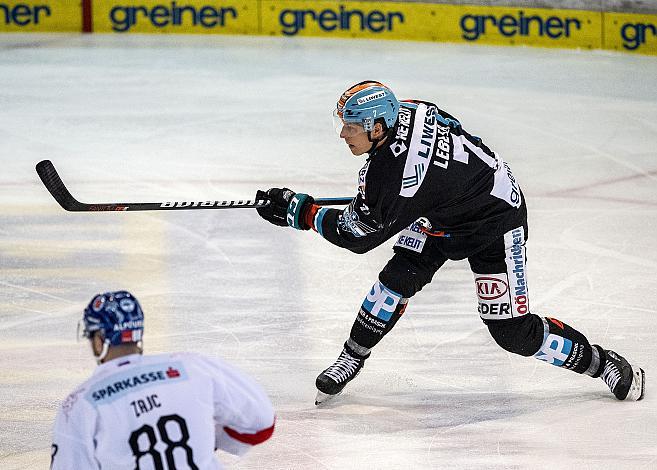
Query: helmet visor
[346,129]
[82,331]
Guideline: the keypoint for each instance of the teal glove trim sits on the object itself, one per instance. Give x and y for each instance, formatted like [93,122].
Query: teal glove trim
[294,210]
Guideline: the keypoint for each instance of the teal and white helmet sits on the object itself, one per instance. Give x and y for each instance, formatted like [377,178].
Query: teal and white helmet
[364,103]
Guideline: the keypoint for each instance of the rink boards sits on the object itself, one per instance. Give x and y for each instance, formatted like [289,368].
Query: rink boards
[625,32]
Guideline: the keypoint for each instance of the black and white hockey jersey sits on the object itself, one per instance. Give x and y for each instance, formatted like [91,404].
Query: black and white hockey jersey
[434,177]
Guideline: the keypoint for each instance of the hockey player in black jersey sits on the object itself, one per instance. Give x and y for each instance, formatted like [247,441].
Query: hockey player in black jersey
[446,196]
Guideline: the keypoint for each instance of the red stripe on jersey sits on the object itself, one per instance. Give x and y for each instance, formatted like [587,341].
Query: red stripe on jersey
[251,439]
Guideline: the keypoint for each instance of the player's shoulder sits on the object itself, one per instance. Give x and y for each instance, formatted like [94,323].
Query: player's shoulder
[414,103]
[443,116]
[408,109]
[74,403]
[196,366]
[192,360]
[170,360]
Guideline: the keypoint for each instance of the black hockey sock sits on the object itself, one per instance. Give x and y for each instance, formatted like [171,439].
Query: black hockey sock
[566,347]
[549,340]
[368,329]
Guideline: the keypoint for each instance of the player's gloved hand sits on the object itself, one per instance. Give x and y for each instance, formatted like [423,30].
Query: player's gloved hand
[285,207]
[276,211]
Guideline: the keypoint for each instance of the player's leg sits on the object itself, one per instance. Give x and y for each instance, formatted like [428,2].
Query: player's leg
[503,293]
[404,275]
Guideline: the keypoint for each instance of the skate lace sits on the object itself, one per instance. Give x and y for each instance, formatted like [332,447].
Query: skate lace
[343,367]
[611,375]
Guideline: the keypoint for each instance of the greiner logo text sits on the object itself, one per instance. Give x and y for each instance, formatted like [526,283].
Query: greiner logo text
[125,17]
[474,26]
[634,35]
[22,14]
[375,21]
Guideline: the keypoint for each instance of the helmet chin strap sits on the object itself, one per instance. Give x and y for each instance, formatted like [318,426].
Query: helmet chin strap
[375,142]
[103,353]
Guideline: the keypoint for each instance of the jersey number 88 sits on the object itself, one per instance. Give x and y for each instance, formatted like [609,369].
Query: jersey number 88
[171,444]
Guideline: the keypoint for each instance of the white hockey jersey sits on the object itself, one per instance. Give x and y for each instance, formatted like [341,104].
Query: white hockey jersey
[166,411]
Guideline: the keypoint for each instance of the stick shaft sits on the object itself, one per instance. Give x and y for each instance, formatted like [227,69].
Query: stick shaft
[54,184]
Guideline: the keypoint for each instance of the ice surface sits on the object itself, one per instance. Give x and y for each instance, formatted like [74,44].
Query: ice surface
[141,118]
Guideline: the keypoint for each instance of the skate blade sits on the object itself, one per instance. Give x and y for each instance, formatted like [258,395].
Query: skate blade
[638,387]
[322,397]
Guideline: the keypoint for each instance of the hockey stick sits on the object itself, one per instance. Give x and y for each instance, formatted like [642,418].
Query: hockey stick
[57,189]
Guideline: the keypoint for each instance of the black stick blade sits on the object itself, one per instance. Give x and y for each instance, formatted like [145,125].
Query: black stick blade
[55,186]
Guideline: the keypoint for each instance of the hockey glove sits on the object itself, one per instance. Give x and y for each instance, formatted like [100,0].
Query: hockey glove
[276,211]
[286,207]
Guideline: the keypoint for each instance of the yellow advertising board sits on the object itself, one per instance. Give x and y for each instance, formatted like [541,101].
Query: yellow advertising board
[432,22]
[395,20]
[524,26]
[36,16]
[181,16]
[630,32]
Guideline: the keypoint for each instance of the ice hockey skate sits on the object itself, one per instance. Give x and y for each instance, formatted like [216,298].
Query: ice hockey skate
[332,380]
[625,381]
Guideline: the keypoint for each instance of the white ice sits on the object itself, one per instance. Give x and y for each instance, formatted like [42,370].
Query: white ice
[153,118]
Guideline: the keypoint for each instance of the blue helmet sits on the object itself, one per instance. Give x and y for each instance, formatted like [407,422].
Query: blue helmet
[117,316]
[366,102]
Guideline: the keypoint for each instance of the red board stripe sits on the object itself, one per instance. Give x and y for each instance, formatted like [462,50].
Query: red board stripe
[252,439]
[87,21]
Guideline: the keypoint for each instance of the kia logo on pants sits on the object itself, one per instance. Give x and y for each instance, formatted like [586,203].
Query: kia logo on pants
[490,288]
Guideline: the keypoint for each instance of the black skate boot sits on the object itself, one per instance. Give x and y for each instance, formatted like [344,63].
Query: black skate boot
[626,382]
[333,379]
